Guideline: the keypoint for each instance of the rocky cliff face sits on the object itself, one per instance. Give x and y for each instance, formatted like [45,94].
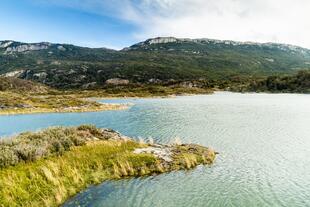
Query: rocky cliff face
[162,40]
[11,47]
[5,44]
[28,47]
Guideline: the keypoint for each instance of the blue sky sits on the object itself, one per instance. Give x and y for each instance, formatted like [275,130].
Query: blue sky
[120,23]
[34,21]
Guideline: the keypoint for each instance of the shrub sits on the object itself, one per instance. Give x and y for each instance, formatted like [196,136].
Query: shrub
[92,129]
[7,156]
[31,146]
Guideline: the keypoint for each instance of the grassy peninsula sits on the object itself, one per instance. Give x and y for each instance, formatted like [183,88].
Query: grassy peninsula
[19,96]
[48,167]
[22,97]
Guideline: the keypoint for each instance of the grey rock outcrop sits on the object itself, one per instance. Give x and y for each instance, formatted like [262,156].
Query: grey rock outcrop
[4,44]
[28,47]
[117,81]
[13,74]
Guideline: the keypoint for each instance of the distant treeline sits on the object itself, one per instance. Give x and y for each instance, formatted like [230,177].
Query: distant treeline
[298,83]
[293,83]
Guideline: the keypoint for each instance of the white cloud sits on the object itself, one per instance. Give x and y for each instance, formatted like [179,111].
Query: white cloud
[284,21]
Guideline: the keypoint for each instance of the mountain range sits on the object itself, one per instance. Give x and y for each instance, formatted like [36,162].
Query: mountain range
[156,60]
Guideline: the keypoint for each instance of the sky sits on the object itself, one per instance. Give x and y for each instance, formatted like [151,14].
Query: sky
[121,23]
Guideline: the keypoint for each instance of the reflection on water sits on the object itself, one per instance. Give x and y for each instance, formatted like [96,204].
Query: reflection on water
[263,140]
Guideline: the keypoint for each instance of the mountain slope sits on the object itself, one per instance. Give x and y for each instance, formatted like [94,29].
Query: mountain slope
[266,57]
[154,60]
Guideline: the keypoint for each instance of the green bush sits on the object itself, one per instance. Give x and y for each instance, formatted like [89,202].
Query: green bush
[29,146]
[7,156]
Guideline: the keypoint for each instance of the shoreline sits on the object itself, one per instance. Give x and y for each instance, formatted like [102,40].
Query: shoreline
[104,107]
[84,102]
[94,98]
[116,106]
[52,177]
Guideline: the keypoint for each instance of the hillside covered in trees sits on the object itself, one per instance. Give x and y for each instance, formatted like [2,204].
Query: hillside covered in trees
[299,83]
[155,61]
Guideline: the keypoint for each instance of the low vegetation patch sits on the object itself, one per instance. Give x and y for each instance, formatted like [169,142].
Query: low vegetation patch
[48,167]
[20,85]
[139,91]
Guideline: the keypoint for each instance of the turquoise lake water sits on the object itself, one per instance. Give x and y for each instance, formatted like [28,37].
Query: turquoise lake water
[263,141]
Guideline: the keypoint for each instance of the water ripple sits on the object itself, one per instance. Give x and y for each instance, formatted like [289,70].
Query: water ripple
[263,140]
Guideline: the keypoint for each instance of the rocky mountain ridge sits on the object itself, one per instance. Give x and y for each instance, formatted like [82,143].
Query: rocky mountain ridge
[11,46]
[165,40]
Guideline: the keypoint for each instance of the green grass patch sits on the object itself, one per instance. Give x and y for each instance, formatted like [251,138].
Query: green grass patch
[48,167]
[49,182]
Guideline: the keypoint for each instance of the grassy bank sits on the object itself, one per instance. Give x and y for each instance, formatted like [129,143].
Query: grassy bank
[139,91]
[23,103]
[48,167]
[23,97]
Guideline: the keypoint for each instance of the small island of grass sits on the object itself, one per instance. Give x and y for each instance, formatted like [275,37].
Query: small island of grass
[48,167]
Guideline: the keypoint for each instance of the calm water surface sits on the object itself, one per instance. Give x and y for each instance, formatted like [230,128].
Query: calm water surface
[263,140]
